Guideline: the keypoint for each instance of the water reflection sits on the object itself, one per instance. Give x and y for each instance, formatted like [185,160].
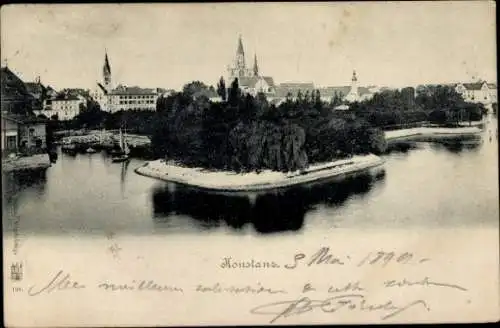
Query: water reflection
[123,174]
[457,147]
[19,185]
[401,147]
[271,212]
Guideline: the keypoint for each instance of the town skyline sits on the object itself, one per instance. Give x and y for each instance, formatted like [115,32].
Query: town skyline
[168,45]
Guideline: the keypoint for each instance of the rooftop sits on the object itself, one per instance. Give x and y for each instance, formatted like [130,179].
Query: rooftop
[12,87]
[123,90]
[251,81]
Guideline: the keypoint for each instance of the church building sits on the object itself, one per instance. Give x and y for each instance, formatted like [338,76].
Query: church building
[113,99]
[249,80]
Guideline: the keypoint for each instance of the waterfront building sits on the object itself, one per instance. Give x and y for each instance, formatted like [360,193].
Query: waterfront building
[113,99]
[64,106]
[250,81]
[132,98]
[21,132]
[478,92]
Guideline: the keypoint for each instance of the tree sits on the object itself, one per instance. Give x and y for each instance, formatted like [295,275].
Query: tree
[195,89]
[92,116]
[318,103]
[336,99]
[234,93]
[221,89]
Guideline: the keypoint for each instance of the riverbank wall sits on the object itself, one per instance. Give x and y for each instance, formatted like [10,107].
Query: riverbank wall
[28,163]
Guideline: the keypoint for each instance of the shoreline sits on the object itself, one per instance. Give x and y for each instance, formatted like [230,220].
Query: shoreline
[26,164]
[429,132]
[227,181]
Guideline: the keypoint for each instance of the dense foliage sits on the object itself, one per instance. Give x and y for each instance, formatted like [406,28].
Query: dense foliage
[246,133]
[438,104]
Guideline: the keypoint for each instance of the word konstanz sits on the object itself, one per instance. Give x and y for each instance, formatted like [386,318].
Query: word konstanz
[229,263]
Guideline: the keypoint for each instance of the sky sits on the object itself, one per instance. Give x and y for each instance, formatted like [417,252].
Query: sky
[168,45]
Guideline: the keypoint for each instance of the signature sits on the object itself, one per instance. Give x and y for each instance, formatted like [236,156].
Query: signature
[60,281]
[350,302]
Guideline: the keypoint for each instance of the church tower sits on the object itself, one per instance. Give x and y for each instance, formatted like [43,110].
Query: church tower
[255,66]
[238,70]
[353,94]
[240,58]
[106,72]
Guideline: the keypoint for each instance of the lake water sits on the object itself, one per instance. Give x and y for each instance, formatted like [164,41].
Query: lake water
[429,185]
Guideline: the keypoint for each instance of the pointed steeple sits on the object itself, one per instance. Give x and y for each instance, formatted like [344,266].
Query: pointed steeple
[354,77]
[255,66]
[106,71]
[240,50]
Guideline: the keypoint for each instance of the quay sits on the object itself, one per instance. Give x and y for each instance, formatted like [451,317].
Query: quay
[103,140]
[27,163]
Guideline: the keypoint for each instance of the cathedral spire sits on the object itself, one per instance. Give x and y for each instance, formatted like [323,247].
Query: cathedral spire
[255,66]
[240,47]
[106,71]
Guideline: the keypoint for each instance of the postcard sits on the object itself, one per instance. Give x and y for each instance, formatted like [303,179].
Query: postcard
[249,163]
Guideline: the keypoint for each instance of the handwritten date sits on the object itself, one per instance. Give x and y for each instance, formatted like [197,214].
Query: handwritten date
[324,256]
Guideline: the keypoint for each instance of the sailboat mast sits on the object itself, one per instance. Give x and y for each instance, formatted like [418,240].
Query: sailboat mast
[121,139]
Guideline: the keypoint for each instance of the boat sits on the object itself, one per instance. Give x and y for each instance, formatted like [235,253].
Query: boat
[124,151]
[68,146]
[91,150]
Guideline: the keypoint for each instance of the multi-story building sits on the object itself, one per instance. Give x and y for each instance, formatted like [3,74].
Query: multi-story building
[132,98]
[113,99]
[478,92]
[64,106]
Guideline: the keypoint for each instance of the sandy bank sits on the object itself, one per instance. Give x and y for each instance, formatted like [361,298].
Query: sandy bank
[231,181]
[432,132]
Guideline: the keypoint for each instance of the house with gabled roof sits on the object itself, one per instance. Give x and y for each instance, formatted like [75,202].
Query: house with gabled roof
[15,98]
[478,92]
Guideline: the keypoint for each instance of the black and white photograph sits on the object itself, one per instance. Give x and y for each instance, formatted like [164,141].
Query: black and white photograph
[171,164]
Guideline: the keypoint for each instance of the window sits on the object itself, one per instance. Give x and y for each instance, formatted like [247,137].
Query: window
[11,142]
